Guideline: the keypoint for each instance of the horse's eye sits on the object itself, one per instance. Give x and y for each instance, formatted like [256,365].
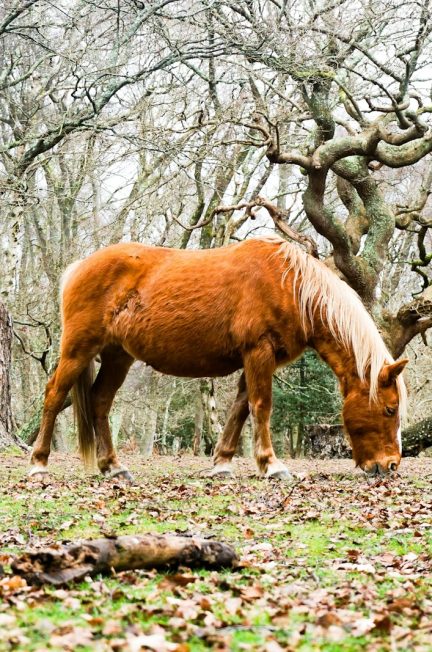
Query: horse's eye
[390,411]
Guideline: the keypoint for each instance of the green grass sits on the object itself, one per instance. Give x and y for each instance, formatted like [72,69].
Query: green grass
[294,542]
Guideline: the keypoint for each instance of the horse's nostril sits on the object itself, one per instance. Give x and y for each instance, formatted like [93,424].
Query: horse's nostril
[372,470]
[392,466]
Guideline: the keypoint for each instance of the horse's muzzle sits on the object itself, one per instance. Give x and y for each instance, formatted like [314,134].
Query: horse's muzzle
[377,469]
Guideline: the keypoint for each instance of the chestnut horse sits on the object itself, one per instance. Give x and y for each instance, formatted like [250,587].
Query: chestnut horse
[254,306]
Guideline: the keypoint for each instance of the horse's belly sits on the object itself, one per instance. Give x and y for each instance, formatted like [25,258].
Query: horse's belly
[182,349]
[211,368]
[176,359]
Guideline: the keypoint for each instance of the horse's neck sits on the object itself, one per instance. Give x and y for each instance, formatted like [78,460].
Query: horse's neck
[340,360]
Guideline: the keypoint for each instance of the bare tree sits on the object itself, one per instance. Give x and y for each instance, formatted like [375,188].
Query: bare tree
[199,124]
[7,436]
[360,103]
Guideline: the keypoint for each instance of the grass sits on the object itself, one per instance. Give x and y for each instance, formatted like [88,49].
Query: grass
[330,563]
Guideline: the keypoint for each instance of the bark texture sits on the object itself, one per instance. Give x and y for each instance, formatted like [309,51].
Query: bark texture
[74,561]
[323,441]
[6,424]
[417,437]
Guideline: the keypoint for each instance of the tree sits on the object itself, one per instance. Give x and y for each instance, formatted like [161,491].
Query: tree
[346,107]
[304,393]
[7,437]
[157,121]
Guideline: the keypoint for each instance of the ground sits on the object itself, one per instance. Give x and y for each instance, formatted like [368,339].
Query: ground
[329,562]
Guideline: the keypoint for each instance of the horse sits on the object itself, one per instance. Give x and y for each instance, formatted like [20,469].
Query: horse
[254,305]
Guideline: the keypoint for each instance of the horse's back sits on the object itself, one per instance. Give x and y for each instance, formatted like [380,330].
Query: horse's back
[196,312]
[130,263]
[169,306]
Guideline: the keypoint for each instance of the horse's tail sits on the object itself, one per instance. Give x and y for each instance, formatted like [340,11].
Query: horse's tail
[84,415]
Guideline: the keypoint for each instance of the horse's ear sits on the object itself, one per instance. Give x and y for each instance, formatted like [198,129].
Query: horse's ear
[391,371]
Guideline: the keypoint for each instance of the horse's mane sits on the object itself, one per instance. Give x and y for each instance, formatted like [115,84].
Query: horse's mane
[344,313]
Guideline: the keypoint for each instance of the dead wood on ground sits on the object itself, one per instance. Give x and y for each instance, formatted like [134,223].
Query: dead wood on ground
[75,561]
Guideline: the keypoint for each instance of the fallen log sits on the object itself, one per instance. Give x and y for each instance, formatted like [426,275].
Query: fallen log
[75,561]
[417,437]
[324,441]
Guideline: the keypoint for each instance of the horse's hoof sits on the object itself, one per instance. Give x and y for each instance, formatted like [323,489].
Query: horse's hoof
[38,473]
[228,475]
[281,475]
[278,471]
[225,470]
[121,474]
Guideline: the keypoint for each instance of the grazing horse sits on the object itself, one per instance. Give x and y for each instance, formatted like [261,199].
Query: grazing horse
[254,306]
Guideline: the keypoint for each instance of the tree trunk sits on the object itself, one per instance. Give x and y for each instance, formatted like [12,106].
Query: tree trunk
[301,413]
[30,430]
[198,426]
[213,429]
[417,437]
[7,436]
[324,441]
[165,421]
[148,435]
[245,447]
[77,560]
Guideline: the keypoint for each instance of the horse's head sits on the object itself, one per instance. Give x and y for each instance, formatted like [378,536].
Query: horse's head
[373,426]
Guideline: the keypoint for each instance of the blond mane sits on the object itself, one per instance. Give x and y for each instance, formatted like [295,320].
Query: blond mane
[344,313]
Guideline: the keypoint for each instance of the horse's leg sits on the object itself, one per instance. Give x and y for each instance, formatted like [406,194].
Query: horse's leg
[68,370]
[259,366]
[114,368]
[227,444]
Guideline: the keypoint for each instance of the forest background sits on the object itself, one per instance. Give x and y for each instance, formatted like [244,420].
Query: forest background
[196,123]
